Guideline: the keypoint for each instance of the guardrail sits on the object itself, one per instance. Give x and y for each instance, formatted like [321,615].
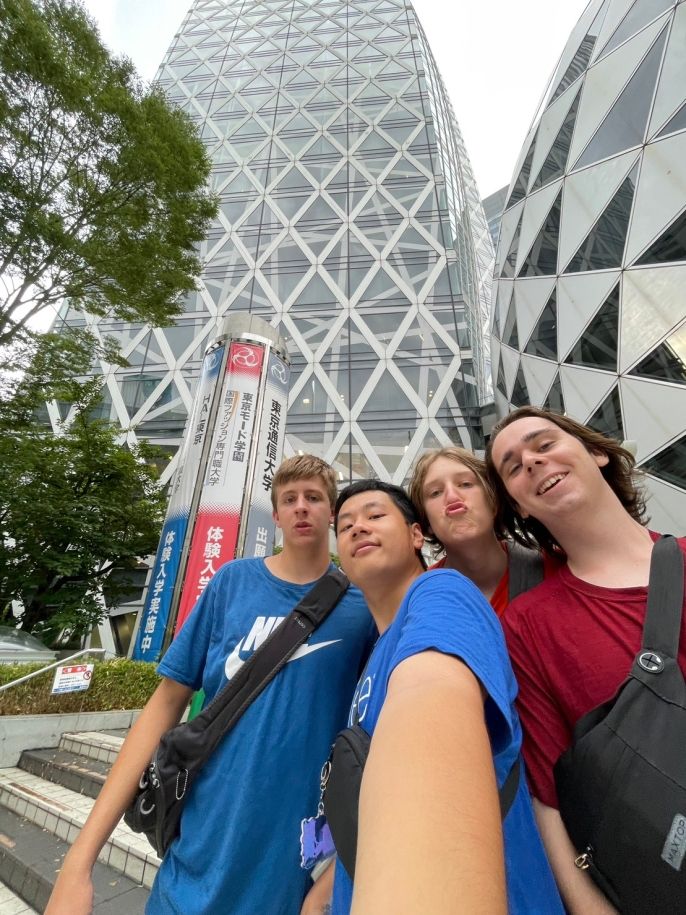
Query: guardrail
[37,673]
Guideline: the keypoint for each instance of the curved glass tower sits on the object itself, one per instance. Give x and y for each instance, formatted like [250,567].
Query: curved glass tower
[349,219]
[590,314]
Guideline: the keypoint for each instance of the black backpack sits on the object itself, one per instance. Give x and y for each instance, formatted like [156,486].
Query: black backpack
[622,784]
[525,569]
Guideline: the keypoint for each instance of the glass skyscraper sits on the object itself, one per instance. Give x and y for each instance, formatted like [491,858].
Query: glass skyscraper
[590,314]
[349,219]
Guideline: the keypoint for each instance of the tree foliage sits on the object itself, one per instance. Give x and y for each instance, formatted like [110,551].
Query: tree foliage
[102,182]
[73,504]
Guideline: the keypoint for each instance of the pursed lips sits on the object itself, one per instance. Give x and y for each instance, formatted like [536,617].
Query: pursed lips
[455,508]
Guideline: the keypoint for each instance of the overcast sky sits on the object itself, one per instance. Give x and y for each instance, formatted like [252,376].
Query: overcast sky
[495,56]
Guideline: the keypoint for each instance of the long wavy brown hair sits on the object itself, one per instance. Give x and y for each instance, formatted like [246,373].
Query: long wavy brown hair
[620,473]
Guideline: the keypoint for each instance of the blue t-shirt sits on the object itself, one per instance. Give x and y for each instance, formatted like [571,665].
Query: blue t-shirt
[238,850]
[444,611]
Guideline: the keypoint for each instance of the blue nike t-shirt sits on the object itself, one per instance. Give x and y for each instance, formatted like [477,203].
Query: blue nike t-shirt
[444,611]
[238,850]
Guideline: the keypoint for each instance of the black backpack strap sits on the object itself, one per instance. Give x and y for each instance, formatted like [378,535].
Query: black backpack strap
[508,792]
[662,627]
[525,569]
[260,669]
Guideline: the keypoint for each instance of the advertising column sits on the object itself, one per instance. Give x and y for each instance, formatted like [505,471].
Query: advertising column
[165,572]
[221,502]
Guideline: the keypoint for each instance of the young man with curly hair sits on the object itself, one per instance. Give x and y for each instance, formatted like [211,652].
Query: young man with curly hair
[565,488]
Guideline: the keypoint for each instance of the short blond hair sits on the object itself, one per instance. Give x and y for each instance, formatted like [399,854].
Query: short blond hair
[422,467]
[305,467]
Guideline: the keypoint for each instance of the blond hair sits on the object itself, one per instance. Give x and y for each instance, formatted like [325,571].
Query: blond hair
[422,467]
[305,467]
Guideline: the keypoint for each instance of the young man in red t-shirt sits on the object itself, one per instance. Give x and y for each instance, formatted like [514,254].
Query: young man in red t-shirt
[572,639]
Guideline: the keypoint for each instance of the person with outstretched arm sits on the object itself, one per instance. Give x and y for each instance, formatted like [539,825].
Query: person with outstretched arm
[437,699]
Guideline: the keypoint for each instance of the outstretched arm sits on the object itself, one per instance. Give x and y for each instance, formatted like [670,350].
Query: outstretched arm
[318,900]
[73,892]
[581,895]
[414,853]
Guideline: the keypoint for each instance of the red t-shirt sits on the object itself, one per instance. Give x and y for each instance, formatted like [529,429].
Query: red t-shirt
[572,644]
[501,596]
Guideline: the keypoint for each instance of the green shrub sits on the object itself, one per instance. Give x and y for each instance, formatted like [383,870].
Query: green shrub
[117,684]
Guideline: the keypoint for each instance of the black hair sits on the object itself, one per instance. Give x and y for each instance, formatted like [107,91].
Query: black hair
[396,493]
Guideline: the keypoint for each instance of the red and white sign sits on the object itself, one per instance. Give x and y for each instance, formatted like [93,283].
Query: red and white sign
[215,534]
[72,679]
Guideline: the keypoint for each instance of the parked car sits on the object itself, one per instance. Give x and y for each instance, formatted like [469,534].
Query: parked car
[17,647]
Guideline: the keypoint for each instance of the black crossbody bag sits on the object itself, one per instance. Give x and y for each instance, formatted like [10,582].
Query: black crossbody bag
[183,750]
[622,784]
[342,780]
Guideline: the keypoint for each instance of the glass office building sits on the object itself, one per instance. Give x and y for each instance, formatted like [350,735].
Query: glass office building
[349,219]
[590,311]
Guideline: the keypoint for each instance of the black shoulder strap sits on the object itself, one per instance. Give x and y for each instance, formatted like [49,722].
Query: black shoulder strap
[259,670]
[508,792]
[662,627]
[525,569]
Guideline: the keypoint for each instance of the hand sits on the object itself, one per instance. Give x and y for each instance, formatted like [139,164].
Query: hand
[72,894]
[318,900]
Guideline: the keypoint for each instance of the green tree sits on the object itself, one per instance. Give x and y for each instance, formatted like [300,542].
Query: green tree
[102,182]
[73,504]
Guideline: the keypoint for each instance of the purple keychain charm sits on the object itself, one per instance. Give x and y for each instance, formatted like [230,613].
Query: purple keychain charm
[316,843]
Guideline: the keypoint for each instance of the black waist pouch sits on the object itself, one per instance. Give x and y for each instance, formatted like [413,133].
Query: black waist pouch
[342,792]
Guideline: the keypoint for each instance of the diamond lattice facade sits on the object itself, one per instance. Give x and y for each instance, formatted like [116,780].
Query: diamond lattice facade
[349,219]
[590,310]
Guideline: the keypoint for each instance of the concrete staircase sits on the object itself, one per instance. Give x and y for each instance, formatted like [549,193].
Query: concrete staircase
[44,801]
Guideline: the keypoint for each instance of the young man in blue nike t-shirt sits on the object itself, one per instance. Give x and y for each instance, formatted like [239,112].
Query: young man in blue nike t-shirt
[238,851]
[437,697]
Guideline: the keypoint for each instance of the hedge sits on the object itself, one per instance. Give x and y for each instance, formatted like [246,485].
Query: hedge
[116,685]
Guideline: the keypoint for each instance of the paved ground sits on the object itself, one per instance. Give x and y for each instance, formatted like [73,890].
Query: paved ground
[13,905]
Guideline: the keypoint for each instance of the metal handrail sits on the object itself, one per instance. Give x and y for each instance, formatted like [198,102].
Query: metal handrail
[36,673]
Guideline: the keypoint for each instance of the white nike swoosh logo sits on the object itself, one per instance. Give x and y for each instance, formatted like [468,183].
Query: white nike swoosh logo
[308,649]
[234,660]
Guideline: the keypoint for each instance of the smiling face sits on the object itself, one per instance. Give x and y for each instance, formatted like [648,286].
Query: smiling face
[455,503]
[374,540]
[303,511]
[547,471]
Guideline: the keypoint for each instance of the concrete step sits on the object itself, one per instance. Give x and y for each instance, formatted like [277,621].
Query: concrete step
[62,812]
[71,770]
[30,859]
[98,745]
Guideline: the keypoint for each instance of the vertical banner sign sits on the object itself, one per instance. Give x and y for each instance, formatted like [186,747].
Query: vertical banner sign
[215,534]
[166,568]
[259,537]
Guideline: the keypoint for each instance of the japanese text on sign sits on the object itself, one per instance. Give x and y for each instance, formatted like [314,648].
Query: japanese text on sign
[212,550]
[272,446]
[72,679]
[157,589]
